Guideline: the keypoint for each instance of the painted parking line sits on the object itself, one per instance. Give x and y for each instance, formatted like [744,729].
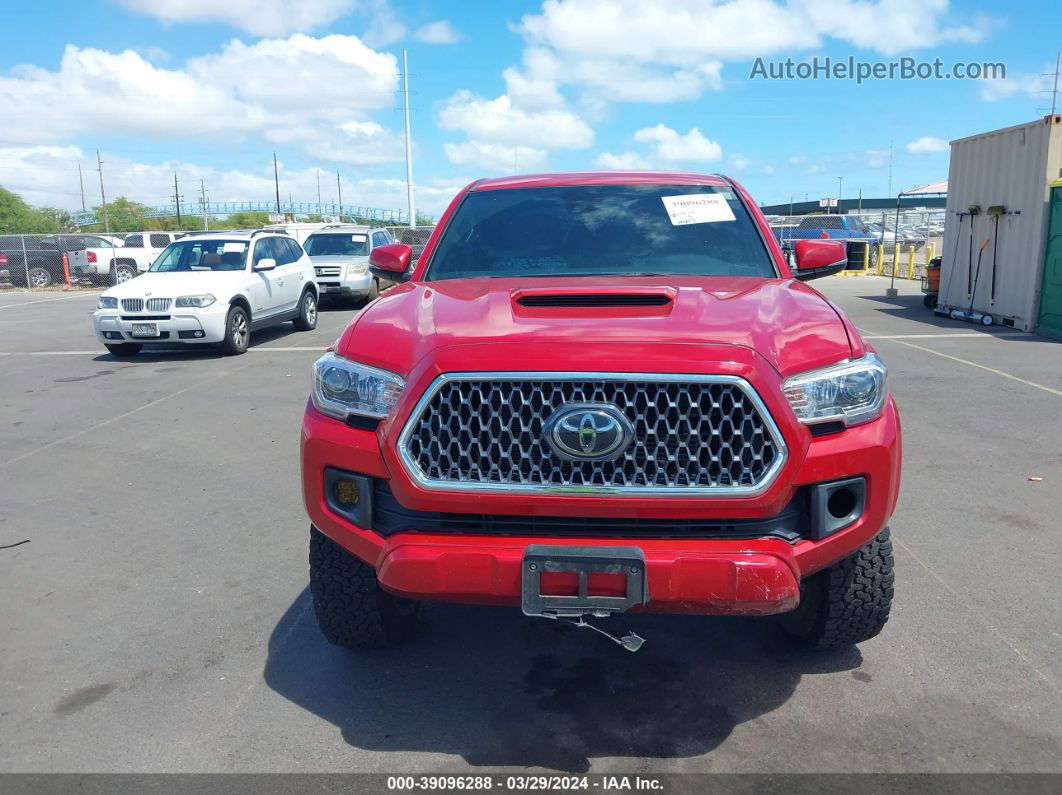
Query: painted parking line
[950,335]
[48,300]
[319,349]
[987,369]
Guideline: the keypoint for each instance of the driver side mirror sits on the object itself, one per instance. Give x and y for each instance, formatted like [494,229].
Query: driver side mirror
[818,258]
[391,262]
[265,264]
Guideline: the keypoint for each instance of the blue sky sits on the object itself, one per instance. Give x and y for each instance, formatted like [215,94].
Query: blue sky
[210,89]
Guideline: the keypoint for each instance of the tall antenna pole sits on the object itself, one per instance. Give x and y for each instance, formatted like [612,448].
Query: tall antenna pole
[890,168]
[203,202]
[318,190]
[339,187]
[176,198]
[409,142]
[276,180]
[1054,91]
[103,195]
[81,182]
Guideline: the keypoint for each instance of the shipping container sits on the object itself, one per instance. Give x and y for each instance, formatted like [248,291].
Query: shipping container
[1010,169]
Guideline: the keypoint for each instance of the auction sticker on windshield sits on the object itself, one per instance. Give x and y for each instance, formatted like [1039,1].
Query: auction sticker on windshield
[697,208]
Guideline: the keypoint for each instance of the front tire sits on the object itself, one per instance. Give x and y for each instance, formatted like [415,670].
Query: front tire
[846,603]
[351,608]
[237,331]
[307,318]
[124,349]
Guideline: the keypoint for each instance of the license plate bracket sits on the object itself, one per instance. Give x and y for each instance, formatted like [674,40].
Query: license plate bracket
[145,330]
[628,561]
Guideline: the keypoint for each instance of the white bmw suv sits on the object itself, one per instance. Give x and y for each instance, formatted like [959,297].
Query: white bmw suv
[214,288]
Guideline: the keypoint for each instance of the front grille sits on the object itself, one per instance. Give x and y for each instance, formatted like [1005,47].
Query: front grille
[158,304]
[133,304]
[328,270]
[692,435]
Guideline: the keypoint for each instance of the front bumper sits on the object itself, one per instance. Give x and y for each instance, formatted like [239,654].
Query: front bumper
[356,286]
[754,576]
[192,326]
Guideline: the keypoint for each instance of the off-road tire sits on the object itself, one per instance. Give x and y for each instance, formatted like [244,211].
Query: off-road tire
[306,320]
[846,603]
[351,608]
[233,344]
[124,349]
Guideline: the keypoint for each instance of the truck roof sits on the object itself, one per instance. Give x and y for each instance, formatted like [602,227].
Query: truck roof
[574,178]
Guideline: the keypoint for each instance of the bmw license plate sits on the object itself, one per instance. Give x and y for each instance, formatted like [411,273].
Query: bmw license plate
[145,329]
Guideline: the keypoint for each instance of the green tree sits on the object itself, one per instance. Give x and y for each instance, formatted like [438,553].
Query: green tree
[17,217]
[124,215]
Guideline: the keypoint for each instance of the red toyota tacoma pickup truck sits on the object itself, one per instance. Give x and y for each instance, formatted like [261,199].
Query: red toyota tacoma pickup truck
[598,393]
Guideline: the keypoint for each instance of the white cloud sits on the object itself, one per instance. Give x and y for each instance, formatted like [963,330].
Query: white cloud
[927,144]
[738,162]
[47,175]
[626,161]
[301,89]
[1034,86]
[258,17]
[441,31]
[671,146]
[496,158]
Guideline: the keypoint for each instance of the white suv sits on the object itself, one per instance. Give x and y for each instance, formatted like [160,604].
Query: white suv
[208,289]
[340,256]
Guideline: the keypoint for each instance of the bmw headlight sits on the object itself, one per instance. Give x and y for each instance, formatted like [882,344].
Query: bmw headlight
[195,301]
[342,387]
[107,302]
[853,392]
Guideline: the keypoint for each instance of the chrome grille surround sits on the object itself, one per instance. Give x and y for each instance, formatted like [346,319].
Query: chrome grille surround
[673,415]
[327,270]
[133,304]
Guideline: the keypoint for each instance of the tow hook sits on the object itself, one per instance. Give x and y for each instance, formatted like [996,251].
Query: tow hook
[631,641]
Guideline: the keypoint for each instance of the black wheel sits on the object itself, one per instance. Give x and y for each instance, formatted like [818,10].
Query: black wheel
[929,301]
[124,273]
[124,349]
[351,608]
[846,603]
[237,331]
[40,278]
[307,319]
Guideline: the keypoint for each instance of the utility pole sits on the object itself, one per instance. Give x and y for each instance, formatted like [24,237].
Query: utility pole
[339,187]
[860,211]
[840,190]
[1054,90]
[81,182]
[103,195]
[890,169]
[276,181]
[203,203]
[409,142]
[176,199]
[318,190]
[790,205]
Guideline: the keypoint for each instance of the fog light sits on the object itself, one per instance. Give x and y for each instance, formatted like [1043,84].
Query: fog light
[347,493]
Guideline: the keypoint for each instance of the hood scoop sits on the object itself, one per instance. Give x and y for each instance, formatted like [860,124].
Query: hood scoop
[652,300]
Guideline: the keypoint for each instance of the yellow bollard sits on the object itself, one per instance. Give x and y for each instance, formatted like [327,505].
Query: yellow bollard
[881,259]
[931,253]
[866,258]
[895,258]
[910,262]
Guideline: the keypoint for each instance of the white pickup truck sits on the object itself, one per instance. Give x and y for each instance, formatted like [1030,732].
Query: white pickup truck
[124,262]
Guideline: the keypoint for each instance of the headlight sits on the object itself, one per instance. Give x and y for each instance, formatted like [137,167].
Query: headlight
[342,387]
[107,302]
[853,392]
[357,268]
[198,301]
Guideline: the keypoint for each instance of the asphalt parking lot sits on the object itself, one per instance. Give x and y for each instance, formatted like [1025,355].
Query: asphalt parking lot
[159,619]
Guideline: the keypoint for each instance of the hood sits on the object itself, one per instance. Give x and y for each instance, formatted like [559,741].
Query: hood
[788,323]
[172,285]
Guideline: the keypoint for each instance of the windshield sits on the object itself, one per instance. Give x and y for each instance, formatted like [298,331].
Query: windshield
[702,230]
[333,243]
[202,255]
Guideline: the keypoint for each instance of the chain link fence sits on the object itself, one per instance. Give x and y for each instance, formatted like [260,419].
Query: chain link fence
[414,236]
[57,261]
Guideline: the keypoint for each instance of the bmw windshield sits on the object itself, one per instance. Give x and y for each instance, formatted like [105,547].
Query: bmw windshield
[701,230]
[202,255]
